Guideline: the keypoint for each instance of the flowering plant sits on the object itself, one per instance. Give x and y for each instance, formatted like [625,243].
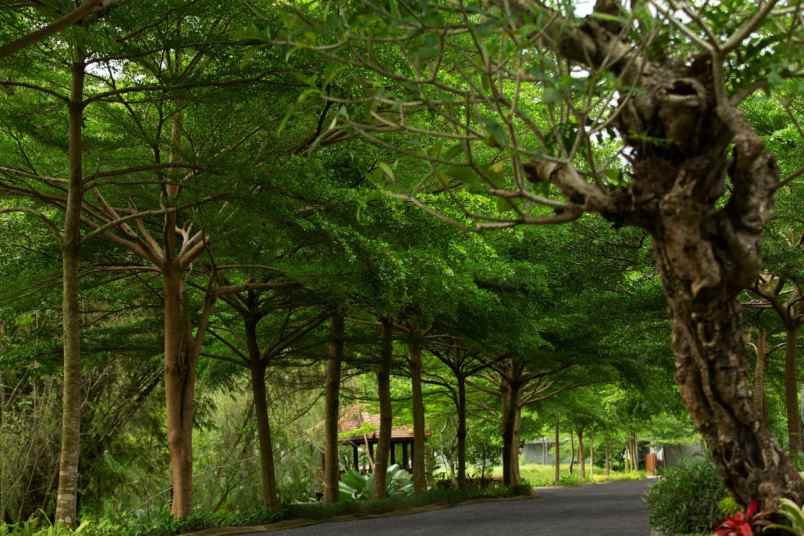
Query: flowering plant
[739,524]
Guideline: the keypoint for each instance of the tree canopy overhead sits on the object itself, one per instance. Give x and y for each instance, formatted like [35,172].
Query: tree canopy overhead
[541,211]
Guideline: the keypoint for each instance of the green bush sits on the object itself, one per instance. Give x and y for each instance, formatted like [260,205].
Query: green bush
[686,499]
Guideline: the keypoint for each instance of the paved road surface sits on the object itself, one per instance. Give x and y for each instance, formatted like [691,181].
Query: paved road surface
[614,509]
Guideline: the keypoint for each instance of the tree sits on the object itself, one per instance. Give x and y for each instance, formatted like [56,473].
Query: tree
[682,137]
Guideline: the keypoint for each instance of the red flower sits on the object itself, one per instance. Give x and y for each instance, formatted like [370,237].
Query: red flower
[740,523]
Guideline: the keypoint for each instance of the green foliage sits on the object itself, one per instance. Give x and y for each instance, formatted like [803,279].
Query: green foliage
[355,486]
[794,515]
[686,499]
[162,524]
[728,506]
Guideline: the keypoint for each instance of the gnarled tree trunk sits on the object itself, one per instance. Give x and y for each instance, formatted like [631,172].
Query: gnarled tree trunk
[685,137]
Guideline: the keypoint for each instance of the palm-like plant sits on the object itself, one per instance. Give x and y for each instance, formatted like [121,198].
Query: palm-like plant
[794,514]
[354,486]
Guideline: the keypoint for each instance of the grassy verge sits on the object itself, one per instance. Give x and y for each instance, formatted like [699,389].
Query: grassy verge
[163,525]
[538,475]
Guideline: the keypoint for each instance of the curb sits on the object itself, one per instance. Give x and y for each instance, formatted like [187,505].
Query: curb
[299,523]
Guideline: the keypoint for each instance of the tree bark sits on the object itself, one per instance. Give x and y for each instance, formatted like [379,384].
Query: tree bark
[333,385]
[581,454]
[558,451]
[515,477]
[67,496]
[270,497]
[591,454]
[510,404]
[760,400]
[572,452]
[707,250]
[791,394]
[180,379]
[461,432]
[711,373]
[419,475]
[386,417]
[608,458]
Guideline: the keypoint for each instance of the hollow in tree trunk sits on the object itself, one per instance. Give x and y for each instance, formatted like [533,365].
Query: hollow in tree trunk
[333,385]
[419,476]
[67,496]
[386,418]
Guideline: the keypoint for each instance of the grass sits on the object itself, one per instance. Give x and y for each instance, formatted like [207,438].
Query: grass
[538,475]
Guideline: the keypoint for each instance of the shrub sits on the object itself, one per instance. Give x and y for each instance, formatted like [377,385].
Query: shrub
[687,499]
[355,486]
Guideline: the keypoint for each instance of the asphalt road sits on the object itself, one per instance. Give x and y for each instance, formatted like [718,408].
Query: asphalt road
[598,510]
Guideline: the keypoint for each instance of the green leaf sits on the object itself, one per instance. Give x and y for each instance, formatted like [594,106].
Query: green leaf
[389,172]
[498,137]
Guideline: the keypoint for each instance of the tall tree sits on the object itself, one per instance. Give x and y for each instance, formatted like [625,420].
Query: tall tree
[683,139]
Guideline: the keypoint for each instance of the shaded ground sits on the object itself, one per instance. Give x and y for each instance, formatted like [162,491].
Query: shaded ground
[597,510]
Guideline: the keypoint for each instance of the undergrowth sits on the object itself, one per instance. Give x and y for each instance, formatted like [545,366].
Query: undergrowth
[162,524]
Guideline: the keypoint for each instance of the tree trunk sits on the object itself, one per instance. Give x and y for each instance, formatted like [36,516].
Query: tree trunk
[419,476]
[333,385]
[180,378]
[572,452]
[515,447]
[791,394]
[608,458]
[386,418]
[270,496]
[760,400]
[461,433]
[705,257]
[510,405]
[581,454]
[67,497]
[558,451]
[591,454]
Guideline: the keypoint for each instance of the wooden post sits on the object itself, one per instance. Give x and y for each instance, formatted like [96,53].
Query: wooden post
[355,457]
[405,458]
[393,452]
[371,457]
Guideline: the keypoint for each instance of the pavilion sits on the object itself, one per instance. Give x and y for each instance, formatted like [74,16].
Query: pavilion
[360,429]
